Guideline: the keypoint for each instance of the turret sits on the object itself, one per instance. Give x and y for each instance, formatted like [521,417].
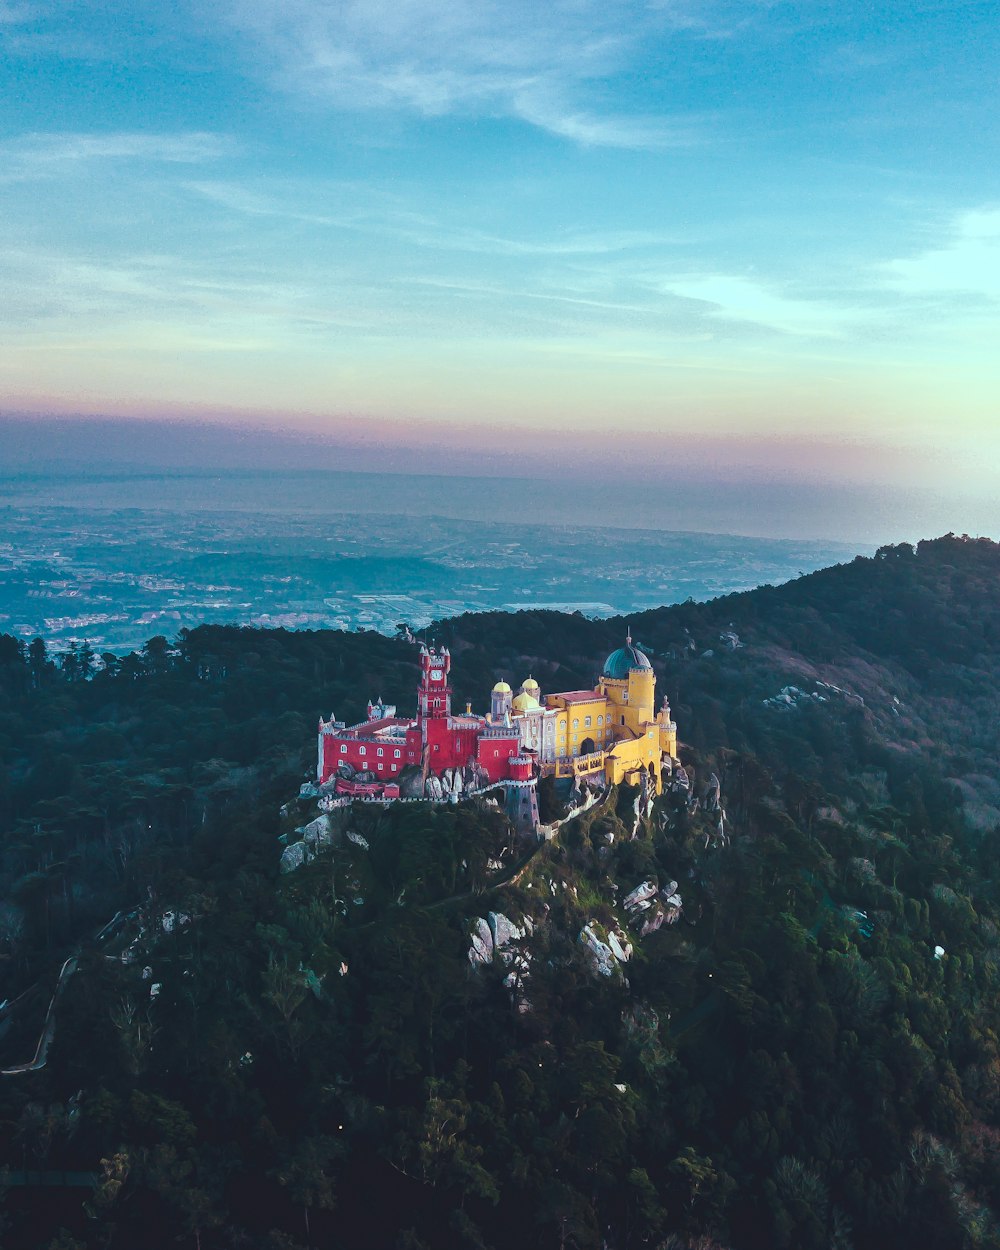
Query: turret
[434,691]
[521,768]
[500,700]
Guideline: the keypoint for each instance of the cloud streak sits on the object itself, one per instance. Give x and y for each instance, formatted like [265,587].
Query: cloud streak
[43,155]
[541,64]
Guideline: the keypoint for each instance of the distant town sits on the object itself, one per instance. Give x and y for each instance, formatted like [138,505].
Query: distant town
[114,577]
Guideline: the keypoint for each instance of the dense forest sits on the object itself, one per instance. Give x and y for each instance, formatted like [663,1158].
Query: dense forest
[805,1053]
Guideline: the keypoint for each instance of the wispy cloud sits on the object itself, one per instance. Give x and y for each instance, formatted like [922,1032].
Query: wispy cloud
[364,208]
[739,298]
[967,262]
[514,58]
[64,155]
[41,150]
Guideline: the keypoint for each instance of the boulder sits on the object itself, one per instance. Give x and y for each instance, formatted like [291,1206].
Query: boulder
[672,909]
[503,930]
[452,781]
[639,895]
[653,921]
[411,783]
[358,840]
[317,832]
[295,856]
[621,947]
[601,956]
[481,948]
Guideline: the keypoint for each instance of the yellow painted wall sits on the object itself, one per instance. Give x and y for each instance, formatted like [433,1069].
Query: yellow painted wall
[578,712]
[643,738]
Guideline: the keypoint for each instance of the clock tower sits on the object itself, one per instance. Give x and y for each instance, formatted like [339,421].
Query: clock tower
[434,691]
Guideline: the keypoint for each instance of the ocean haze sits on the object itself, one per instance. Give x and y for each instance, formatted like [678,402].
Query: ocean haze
[832,492]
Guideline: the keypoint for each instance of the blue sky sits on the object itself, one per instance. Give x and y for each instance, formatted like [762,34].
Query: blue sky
[760,233]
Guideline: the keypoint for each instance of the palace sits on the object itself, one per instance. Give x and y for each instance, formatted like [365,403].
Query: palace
[609,733]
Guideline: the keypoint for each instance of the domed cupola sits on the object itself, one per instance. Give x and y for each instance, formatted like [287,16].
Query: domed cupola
[500,699]
[619,663]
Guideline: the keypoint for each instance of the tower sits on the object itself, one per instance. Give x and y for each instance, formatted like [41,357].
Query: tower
[628,683]
[521,795]
[500,701]
[434,691]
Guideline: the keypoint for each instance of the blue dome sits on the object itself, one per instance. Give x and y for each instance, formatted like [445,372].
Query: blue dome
[619,662]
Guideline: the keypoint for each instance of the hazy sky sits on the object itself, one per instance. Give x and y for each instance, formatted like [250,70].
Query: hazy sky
[688,220]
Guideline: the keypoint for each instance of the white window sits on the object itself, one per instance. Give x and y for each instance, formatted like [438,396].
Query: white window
[395,766]
[362,750]
[576,724]
[586,722]
[600,720]
[395,755]
[380,751]
[343,748]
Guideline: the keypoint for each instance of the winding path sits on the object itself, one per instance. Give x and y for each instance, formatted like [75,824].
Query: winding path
[49,1027]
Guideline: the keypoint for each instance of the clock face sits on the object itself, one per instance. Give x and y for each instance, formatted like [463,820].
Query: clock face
[436,674]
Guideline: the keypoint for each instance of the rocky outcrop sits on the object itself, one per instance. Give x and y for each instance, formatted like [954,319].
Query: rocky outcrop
[606,957]
[641,897]
[792,696]
[650,908]
[621,947]
[481,948]
[318,832]
[503,930]
[295,855]
[497,940]
[411,783]
[601,955]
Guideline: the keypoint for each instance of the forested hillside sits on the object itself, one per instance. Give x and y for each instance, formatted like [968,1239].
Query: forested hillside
[801,1052]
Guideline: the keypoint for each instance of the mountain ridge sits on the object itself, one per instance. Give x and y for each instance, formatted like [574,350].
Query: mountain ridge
[798,1050]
